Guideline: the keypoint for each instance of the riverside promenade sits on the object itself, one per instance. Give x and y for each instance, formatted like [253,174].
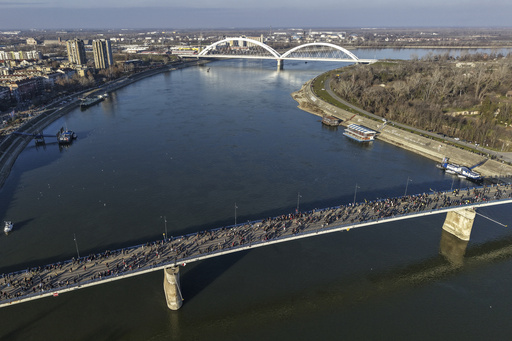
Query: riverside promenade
[40,281]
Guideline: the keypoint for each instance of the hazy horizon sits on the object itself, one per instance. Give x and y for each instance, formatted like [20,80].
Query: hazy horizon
[116,14]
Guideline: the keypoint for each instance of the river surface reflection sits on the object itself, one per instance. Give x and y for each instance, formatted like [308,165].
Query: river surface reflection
[191,143]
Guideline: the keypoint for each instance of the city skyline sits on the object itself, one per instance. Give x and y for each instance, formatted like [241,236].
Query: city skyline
[55,14]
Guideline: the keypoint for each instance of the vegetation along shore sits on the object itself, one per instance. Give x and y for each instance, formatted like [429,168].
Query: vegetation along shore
[438,106]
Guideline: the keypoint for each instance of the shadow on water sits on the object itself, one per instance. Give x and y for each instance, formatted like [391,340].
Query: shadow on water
[13,181]
[443,265]
[204,273]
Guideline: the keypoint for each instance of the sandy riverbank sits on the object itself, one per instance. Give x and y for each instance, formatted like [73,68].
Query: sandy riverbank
[424,146]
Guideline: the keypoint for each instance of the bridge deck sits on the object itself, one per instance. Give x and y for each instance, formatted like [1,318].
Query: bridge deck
[43,281]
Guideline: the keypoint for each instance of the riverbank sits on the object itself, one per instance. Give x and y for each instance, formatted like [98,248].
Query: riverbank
[12,145]
[427,147]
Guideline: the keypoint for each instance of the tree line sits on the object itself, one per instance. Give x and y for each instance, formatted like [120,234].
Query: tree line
[464,97]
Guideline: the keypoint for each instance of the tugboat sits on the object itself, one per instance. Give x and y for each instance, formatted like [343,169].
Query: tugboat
[8,227]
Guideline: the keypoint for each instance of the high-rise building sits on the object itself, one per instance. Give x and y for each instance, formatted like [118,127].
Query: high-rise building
[102,51]
[76,51]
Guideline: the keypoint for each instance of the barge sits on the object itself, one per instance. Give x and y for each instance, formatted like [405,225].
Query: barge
[87,102]
[331,121]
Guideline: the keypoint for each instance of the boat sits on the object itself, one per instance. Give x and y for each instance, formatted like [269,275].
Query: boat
[39,138]
[65,136]
[8,226]
[359,133]
[461,171]
[331,121]
[87,102]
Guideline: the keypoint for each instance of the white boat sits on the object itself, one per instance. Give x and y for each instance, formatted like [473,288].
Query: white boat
[359,133]
[8,227]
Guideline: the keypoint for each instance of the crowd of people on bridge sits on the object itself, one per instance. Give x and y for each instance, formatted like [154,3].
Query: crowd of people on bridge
[178,250]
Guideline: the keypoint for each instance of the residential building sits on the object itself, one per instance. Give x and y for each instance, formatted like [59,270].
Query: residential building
[76,52]
[102,51]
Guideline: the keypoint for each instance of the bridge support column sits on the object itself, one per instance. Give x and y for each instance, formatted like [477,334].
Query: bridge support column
[172,288]
[460,222]
[280,64]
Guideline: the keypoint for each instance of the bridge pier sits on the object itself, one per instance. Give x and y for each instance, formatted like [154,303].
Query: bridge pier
[280,64]
[460,222]
[172,288]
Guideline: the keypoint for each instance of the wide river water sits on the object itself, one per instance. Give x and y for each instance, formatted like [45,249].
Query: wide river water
[192,144]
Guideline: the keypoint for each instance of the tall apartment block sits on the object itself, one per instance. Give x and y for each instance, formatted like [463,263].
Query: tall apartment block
[102,51]
[76,51]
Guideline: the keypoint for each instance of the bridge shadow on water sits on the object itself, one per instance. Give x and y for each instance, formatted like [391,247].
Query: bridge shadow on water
[453,258]
[202,274]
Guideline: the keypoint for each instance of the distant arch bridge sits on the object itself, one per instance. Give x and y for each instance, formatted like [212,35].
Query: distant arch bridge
[247,48]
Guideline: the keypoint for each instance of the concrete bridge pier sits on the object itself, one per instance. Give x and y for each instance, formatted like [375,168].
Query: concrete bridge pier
[280,64]
[172,288]
[460,222]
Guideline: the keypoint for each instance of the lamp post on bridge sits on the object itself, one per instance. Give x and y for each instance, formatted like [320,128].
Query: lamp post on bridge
[298,202]
[406,185]
[165,227]
[355,193]
[76,244]
[235,212]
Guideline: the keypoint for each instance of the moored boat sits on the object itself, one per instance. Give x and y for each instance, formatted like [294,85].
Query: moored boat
[359,133]
[461,171]
[66,136]
[331,121]
[87,102]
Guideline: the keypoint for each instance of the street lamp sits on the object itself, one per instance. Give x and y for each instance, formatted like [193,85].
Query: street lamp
[298,202]
[165,225]
[235,212]
[355,193]
[406,185]
[76,244]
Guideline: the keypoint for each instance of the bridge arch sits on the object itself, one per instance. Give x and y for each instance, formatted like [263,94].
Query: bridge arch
[213,46]
[305,46]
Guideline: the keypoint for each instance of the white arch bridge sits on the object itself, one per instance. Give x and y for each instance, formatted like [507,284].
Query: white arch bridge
[252,49]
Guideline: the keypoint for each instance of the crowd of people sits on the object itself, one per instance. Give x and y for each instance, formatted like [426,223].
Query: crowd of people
[179,250]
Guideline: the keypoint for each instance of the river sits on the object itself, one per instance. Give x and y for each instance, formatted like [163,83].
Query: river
[203,146]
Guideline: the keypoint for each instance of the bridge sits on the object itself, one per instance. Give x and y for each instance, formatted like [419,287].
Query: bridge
[169,254]
[246,48]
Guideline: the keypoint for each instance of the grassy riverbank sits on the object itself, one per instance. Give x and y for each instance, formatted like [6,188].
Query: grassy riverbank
[314,97]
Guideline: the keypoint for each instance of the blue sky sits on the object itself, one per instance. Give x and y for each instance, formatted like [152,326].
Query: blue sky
[57,14]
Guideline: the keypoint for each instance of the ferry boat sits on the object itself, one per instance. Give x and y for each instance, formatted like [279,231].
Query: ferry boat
[460,171]
[359,133]
[8,226]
